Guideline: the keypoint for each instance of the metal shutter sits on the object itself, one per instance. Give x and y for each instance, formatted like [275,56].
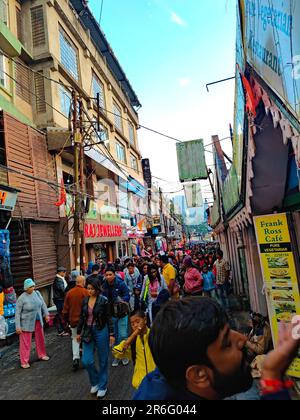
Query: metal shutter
[44,255]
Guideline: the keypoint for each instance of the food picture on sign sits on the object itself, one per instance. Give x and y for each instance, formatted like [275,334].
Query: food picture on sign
[278,262]
[283,295]
[280,273]
[285,311]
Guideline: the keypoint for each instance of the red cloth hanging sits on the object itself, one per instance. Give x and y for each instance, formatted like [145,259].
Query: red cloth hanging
[251,102]
[63,195]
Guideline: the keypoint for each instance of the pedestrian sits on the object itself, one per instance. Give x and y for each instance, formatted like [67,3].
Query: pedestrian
[153,285]
[59,290]
[72,281]
[209,288]
[208,359]
[96,274]
[95,330]
[71,313]
[193,282]
[169,274]
[118,295]
[259,338]
[136,348]
[133,278]
[144,272]
[222,270]
[90,268]
[30,311]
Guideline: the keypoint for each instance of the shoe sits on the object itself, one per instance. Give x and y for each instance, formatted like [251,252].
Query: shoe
[115,363]
[101,394]
[27,366]
[125,362]
[63,334]
[45,358]
[75,365]
[94,389]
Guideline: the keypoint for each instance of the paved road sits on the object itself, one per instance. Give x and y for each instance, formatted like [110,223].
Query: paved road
[55,380]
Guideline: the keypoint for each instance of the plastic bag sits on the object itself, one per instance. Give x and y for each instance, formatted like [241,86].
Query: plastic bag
[3,328]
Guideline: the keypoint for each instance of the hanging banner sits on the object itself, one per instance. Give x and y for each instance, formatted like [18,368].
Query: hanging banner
[273,46]
[279,273]
[191,161]
[193,195]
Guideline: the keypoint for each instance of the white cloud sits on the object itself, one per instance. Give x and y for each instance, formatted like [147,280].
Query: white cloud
[184,82]
[177,19]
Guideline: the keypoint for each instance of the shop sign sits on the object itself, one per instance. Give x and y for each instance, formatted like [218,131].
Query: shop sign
[147,172]
[8,200]
[273,46]
[279,273]
[94,230]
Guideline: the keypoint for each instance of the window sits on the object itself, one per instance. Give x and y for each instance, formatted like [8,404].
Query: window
[68,54]
[40,93]
[120,152]
[24,82]
[4,11]
[98,88]
[133,163]
[3,78]
[131,133]
[103,133]
[19,25]
[117,116]
[38,27]
[65,101]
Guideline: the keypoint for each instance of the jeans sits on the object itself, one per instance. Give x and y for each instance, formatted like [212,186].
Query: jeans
[59,318]
[120,329]
[222,294]
[100,341]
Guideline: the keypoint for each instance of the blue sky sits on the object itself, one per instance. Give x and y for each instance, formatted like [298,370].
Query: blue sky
[169,50]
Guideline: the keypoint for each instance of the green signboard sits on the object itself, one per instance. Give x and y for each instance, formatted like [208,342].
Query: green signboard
[191,161]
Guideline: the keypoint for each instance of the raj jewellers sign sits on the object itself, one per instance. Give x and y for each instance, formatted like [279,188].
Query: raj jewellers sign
[95,230]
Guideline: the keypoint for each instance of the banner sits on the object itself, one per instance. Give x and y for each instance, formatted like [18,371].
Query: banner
[279,273]
[273,46]
[193,195]
[191,161]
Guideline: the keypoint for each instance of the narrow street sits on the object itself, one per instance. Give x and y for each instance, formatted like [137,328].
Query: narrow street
[55,380]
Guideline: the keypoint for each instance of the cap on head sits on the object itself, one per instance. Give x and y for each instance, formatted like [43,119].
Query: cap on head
[61,270]
[28,283]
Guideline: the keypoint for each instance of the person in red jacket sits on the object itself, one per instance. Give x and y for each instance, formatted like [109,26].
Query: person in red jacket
[71,313]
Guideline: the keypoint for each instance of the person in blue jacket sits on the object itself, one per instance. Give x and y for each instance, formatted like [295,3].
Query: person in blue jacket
[118,295]
[198,356]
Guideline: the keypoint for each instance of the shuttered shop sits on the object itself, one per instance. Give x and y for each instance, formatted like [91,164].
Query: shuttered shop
[20,250]
[43,245]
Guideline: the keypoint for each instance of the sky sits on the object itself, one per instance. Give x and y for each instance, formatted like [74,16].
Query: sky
[170,50]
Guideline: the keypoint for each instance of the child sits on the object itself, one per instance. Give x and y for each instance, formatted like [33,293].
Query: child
[136,348]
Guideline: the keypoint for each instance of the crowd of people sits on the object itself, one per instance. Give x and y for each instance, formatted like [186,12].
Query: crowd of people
[139,309]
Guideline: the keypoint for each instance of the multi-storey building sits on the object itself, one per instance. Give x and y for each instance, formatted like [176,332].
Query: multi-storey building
[57,47]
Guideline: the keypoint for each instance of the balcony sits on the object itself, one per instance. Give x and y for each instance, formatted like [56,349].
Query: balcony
[8,41]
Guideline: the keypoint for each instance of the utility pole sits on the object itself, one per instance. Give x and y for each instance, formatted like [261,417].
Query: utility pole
[77,141]
[82,190]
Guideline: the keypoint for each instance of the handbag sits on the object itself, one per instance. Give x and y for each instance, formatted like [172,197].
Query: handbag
[87,334]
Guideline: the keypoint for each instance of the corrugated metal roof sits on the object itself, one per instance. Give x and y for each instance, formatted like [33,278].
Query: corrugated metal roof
[89,21]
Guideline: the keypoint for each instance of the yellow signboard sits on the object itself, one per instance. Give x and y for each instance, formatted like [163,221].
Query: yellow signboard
[279,273]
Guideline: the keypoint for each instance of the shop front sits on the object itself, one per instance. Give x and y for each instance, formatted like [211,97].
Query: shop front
[103,241]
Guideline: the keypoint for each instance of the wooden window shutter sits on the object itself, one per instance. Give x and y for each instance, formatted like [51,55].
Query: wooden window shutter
[23,82]
[40,93]
[38,26]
